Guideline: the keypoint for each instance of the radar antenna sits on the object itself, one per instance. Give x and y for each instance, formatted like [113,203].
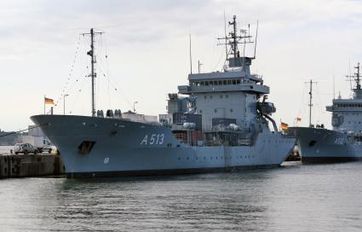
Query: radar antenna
[233,39]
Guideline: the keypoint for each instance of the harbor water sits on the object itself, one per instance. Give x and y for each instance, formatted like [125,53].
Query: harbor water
[294,197]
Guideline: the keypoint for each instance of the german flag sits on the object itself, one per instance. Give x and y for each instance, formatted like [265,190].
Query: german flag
[48,101]
[284,126]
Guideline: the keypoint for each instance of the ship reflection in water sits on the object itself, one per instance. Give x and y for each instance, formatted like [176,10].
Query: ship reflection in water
[292,198]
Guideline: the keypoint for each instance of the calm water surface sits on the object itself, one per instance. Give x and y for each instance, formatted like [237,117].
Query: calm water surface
[292,198]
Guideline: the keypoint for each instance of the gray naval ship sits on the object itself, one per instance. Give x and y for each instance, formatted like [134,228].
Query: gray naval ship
[344,141]
[218,122]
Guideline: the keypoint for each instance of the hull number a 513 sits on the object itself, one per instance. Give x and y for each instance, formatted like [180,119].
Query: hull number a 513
[153,139]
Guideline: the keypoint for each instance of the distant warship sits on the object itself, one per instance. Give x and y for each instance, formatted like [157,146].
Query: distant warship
[344,142]
[218,122]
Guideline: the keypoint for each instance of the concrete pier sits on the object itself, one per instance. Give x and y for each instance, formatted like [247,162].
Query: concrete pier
[30,165]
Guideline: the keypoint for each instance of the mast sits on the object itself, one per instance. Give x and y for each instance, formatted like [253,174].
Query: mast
[358,80]
[233,39]
[226,45]
[199,66]
[235,42]
[93,74]
[256,38]
[310,101]
[190,55]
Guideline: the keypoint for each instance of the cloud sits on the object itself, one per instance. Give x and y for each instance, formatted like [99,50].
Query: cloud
[148,43]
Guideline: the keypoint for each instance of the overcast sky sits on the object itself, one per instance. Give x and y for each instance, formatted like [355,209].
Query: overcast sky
[143,53]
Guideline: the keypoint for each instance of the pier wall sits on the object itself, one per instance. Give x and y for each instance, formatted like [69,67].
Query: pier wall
[30,165]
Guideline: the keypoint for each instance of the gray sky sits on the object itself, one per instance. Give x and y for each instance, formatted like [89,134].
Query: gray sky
[143,54]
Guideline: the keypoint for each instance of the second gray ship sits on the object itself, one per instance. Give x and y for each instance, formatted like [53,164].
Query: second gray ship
[218,122]
[344,141]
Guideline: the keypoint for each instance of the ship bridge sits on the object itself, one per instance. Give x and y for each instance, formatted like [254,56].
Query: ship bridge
[228,96]
[235,78]
[345,105]
[347,113]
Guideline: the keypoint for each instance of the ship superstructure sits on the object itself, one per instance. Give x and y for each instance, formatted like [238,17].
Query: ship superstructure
[218,122]
[344,141]
[347,113]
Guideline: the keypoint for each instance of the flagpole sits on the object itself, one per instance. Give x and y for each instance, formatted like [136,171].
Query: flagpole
[44,103]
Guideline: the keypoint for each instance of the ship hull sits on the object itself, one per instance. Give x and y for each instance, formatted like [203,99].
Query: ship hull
[319,145]
[92,146]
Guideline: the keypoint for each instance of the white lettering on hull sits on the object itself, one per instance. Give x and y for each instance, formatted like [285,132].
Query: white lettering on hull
[153,139]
